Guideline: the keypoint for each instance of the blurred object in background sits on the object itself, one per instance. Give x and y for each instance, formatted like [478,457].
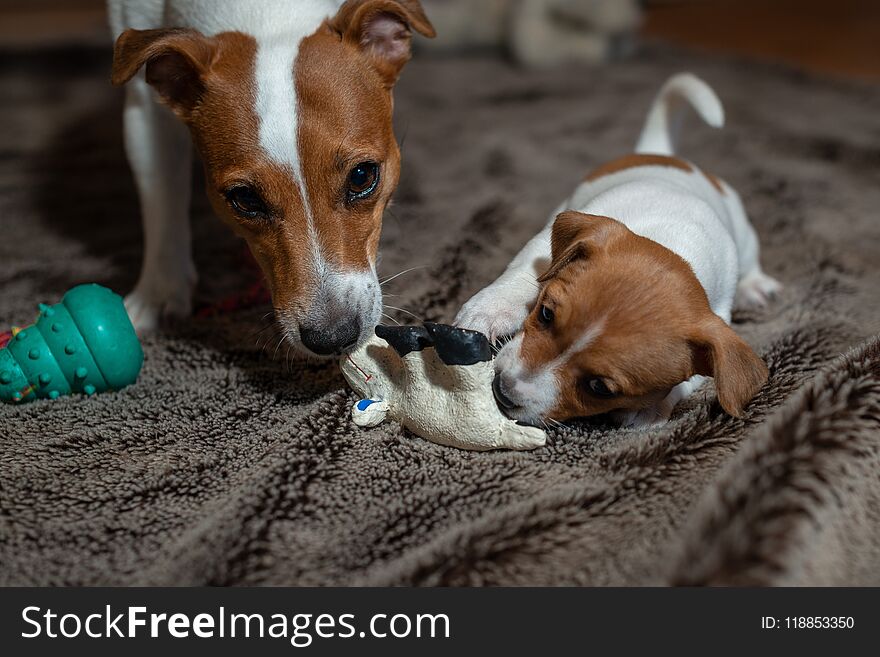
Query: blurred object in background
[47,23]
[536,33]
[841,37]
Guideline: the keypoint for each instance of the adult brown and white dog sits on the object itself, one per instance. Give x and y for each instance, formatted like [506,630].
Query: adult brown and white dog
[621,304]
[289,105]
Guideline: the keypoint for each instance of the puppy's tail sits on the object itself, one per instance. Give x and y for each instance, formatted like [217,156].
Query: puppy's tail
[664,120]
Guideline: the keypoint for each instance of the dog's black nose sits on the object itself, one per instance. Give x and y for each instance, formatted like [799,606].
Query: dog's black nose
[502,399]
[330,340]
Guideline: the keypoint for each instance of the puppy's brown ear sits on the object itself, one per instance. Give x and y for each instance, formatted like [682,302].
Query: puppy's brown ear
[382,29]
[738,371]
[176,61]
[576,236]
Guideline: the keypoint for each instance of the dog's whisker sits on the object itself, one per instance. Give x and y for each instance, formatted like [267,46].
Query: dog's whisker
[262,340]
[528,278]
[257,333]
[501,341]
[266,326]
[405,271]
[386,316]
[402,310]
[278,346]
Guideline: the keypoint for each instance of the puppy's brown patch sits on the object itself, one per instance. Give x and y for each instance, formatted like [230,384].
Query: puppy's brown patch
[637,160]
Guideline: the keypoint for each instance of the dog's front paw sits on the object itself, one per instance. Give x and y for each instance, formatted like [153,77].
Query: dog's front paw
[492,315]
[755,290]
[156,298]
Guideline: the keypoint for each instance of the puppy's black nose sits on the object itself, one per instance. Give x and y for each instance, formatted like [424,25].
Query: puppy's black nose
[502,399]
[330,340]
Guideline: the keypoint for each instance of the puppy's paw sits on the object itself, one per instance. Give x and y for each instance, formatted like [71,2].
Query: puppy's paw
[492,315]
[646,418]
[156,298]
[756,290]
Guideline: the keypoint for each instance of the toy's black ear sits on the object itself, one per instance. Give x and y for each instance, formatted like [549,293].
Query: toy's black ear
[457,346]
[405,339]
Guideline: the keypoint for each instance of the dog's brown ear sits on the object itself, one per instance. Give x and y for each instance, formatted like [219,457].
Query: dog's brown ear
[382,29]
[575,236]
[176,61]
[738,371]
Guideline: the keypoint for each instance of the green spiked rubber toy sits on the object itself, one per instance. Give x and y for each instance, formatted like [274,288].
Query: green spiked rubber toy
[85,344]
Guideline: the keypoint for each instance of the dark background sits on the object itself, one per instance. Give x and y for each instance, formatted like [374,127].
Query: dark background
[840,37]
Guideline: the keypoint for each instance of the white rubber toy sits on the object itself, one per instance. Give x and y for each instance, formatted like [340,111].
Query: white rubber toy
[447,404]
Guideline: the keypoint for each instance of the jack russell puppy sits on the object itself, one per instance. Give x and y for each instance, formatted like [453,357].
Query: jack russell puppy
[622,303]
[289,106]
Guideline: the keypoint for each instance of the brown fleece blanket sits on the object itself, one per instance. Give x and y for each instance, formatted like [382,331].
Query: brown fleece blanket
[227,463]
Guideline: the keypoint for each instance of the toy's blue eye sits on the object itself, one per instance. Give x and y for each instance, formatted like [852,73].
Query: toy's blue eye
[363,181]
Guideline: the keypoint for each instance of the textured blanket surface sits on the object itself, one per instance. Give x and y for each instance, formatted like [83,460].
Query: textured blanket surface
[228,463]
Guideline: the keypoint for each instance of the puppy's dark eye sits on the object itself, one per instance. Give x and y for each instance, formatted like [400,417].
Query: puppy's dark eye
[597,387]
[545,315]
[247,202]
[363,180]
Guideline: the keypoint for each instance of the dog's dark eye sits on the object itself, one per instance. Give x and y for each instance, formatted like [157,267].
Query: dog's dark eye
[597,387]
[247,202]
[363,180]
[546,315]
